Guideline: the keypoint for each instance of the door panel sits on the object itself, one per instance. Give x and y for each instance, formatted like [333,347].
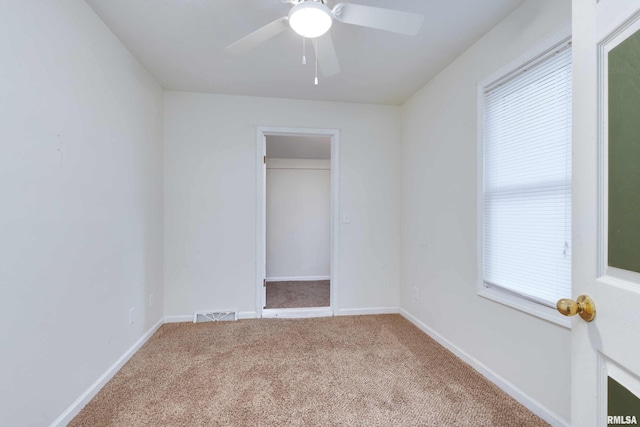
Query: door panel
[624,153]
[606,196]
[622,396]
[622,400]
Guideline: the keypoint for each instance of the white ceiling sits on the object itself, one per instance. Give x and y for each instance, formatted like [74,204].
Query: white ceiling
[182,44]
[298,147]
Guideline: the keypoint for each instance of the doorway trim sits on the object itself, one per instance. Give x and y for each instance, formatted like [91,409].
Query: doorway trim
[261,242]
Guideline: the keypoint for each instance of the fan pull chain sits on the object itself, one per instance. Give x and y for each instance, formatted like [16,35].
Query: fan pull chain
[304,48]
[316,46]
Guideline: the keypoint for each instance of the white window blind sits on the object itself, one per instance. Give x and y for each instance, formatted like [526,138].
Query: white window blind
[527,180]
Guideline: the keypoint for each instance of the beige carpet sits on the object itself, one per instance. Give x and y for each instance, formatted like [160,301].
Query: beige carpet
[298,294]
[347,371]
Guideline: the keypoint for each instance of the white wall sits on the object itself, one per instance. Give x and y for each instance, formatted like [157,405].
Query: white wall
[81,215]
[210,198]
[439,228]
[298,208]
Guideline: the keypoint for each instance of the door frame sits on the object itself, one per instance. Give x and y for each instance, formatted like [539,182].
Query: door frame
[261,242]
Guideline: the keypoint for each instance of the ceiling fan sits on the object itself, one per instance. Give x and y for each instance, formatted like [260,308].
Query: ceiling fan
[313,18]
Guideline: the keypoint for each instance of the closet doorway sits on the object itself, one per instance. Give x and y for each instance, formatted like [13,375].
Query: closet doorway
[297,212]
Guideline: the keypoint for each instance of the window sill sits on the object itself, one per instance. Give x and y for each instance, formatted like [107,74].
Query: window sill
[529,307]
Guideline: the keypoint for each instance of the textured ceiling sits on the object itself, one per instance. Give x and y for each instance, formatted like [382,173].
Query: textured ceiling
[182,44]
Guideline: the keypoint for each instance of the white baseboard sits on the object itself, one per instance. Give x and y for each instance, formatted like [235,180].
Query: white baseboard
[365,311]
[296,313]
[522,398]
[297,279]
[75,408]
[179,318]
[247,315]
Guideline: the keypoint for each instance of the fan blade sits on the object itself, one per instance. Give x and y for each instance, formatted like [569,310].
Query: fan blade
[382,19]
[327,58]
[259,36]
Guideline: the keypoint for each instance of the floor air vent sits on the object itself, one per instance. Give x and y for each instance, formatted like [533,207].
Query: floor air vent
[214,316]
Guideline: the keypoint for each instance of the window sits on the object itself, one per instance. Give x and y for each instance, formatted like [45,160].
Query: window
[526,184]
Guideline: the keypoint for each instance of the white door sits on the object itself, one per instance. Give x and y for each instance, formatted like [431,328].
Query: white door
[606,241]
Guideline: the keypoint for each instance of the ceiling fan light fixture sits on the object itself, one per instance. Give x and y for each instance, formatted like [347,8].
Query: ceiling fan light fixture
[310,19]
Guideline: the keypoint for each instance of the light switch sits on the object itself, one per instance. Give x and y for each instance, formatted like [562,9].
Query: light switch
[346,218]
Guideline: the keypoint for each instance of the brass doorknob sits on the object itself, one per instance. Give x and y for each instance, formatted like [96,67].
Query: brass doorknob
[584,306]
